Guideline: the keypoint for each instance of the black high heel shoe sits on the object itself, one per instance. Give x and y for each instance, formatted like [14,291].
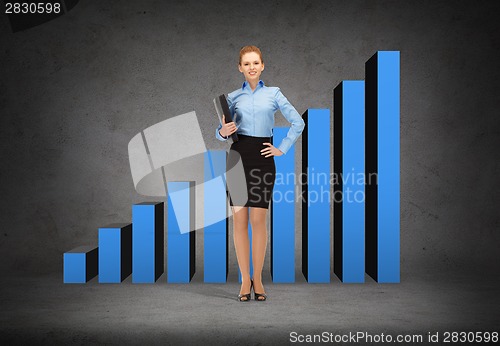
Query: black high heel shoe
[257,295]
[248,296]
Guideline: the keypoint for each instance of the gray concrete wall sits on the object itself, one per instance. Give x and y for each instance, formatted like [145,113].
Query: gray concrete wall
[75,90]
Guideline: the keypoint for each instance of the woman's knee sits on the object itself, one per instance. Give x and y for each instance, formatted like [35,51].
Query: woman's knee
[257,221]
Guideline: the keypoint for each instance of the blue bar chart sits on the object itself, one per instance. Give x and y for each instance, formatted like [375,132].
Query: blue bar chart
[348,187]
[80,264]
[115,252]
[216,228]
[361,236]
[147,240]
[282,225]
[316,202]
[180,233]
[382,167]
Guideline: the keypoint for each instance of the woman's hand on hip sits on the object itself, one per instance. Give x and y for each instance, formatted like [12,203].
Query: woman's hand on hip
[271,150]
[227,128]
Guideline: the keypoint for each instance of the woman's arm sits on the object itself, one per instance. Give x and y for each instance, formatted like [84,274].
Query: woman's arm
[226,128]
[293,117]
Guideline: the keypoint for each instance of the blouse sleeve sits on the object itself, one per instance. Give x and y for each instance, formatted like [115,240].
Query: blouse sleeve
[293,117]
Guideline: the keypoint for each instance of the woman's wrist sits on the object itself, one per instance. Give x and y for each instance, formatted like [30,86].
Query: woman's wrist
[222,135]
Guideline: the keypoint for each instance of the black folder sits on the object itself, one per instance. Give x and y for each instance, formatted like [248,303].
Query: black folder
[221,106]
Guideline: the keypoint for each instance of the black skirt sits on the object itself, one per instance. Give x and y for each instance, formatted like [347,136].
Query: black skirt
[250,175]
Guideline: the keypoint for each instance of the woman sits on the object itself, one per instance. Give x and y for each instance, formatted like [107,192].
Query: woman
[252,107]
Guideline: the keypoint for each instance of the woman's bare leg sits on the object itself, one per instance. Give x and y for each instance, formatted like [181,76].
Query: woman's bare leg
[242,246]
[259,243]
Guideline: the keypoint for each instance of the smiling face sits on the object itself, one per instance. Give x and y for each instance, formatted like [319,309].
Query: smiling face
[251,66]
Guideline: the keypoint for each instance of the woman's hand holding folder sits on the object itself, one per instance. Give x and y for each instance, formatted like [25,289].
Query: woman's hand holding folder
[227,128]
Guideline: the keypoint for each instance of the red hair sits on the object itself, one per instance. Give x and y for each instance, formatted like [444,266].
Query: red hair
[249,49]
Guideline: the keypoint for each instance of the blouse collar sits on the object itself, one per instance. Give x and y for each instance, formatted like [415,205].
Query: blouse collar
[245,83]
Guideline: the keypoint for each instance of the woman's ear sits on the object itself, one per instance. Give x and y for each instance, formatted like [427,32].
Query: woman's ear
[239,68]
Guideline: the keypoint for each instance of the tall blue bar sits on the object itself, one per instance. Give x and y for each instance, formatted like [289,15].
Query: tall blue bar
[283,214]
[382,167]
[80,264]
[349,191]
[316,196]
[216,217]
[115,252]
[181,246]
[147,241]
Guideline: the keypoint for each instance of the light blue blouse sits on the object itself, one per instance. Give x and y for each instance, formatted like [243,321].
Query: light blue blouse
[253,113]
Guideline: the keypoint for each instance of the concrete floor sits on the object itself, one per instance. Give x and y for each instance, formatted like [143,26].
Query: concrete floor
[43,310]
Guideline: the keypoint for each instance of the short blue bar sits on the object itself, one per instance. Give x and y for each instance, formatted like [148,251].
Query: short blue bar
[80,264]
[349,166]
[283,214]
[216,217]
[180,246]
[147,240]
[115,252]
[316,196]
